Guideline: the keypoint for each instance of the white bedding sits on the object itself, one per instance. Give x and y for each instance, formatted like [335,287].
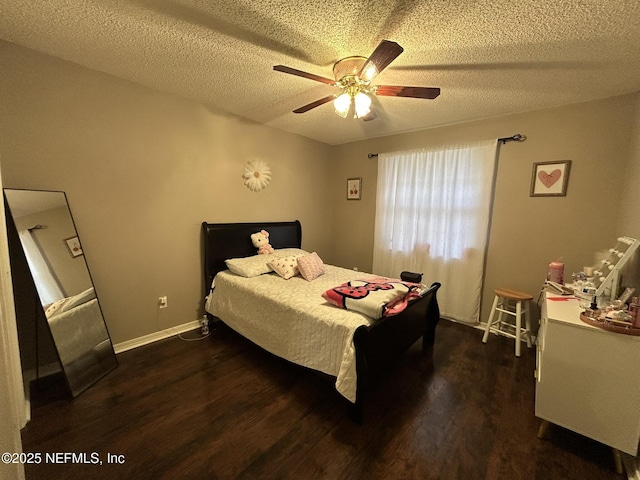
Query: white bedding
[290,319]
[78,330]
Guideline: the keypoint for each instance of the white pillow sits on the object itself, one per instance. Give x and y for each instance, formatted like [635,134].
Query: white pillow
[249,266]
[79,299]
[54,307]
[286,267]
[289,252]
[258,264]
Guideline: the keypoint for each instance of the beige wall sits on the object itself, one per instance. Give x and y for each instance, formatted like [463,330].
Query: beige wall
[142,170]
[629,212]
[71,272]
[629,223]
[527,232]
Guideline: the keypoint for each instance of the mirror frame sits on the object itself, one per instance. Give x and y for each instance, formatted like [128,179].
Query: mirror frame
[82,344]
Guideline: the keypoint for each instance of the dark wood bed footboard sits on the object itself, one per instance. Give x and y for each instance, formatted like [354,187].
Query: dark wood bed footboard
[381,343]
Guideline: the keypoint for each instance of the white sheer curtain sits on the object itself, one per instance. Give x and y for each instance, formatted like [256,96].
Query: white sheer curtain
[47,285]
[433,209]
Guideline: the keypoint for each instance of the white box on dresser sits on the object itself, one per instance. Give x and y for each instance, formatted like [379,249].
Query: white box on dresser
[588,379]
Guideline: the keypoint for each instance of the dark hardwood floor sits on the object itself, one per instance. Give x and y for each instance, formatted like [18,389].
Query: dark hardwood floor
[223,408]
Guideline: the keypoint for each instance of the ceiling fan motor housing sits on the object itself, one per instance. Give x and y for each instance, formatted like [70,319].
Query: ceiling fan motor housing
[349,66]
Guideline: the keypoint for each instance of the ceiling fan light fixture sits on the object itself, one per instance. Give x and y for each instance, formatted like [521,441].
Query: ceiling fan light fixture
[363,104]
[354,76]
[369,73]
[342,104]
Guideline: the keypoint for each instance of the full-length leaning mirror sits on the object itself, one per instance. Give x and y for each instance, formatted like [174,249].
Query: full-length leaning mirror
[44,242]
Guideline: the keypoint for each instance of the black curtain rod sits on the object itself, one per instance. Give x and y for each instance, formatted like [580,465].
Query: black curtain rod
[518,137]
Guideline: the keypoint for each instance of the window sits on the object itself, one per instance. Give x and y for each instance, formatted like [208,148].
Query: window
[432,216]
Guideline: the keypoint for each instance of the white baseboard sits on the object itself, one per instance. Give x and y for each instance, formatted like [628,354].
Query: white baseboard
[154,337]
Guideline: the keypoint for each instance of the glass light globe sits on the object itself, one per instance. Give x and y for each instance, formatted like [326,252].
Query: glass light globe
[342,104]
[363,104]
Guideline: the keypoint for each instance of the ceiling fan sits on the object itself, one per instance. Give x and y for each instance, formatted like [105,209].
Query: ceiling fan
[354,75]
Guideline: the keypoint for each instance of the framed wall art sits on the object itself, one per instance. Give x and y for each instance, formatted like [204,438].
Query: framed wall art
[73,244]
[550,179]
[354,188]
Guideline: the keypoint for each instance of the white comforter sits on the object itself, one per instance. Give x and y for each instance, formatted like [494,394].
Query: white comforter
[290,319]
[78,331]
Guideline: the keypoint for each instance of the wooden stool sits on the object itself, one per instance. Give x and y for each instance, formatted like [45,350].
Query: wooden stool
[501,305]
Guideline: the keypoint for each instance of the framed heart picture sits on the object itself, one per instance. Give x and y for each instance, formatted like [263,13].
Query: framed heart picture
[550,179]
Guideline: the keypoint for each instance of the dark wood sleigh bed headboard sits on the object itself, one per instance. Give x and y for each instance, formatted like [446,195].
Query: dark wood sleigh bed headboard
[233,240]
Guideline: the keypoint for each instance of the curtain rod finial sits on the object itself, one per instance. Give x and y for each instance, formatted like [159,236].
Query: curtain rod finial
[518,137]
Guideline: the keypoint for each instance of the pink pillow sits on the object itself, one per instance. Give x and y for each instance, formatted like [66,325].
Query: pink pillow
[310,266]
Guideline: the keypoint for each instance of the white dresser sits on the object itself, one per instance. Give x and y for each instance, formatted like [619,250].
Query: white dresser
[588,379]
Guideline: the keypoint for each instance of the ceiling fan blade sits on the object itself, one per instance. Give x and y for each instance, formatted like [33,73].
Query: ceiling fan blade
[372,115]
[385,53]
[413,92]
[300,73]
[315,104]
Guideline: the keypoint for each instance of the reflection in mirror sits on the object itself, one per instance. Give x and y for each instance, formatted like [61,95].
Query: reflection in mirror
[43,242]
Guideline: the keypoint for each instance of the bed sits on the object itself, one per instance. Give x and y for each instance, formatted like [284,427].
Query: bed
[290,318]
[77,325]
[81,339]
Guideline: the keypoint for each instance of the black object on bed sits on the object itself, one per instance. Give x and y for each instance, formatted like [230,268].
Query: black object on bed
[377,345]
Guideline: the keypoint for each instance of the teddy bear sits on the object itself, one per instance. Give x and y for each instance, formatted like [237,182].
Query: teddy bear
[260,240]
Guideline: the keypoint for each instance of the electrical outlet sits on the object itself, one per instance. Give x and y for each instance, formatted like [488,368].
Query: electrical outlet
[162,302]
[204,328]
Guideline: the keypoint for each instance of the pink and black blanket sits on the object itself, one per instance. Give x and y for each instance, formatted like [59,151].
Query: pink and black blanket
[378,297]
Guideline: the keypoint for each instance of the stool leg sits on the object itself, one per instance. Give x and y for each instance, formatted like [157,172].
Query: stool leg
[503,304]
[518,326]
[490,321]
[527,323]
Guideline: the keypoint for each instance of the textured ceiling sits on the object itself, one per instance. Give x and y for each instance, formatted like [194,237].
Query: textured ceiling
[489,58]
